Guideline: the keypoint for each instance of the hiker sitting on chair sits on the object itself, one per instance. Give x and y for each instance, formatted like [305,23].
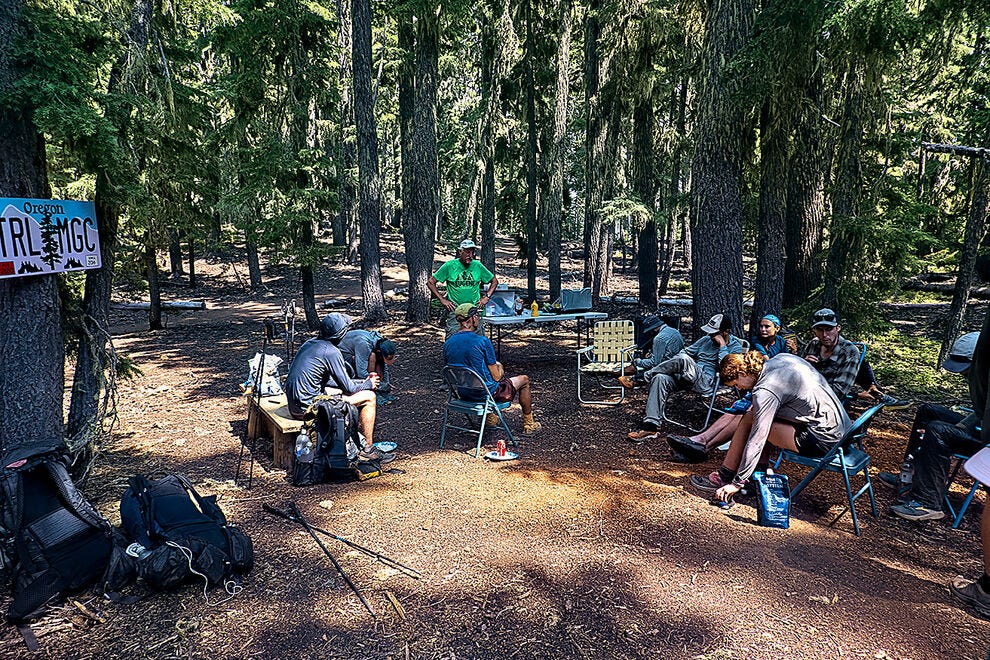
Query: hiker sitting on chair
[667,342]
[367,352]
[468,349]
[694,368]
[318,367]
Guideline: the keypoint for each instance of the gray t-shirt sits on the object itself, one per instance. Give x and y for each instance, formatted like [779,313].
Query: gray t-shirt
[356,347]
[790,389]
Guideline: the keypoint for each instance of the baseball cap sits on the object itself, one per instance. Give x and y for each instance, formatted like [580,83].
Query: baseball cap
[825,317]
[334,326]
[716,324]
[387,347]
[467,244]
[961,354]
[464,311]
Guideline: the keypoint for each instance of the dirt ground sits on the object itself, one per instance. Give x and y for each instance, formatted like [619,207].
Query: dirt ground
[586,547]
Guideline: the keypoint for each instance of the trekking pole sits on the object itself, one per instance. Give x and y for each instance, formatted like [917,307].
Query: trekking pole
[302,521]
[411,572]
[256,394]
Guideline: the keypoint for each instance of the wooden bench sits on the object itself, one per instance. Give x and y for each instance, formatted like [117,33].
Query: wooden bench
[275,422]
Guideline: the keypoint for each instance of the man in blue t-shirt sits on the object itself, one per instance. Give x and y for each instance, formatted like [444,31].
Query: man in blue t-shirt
[467,349]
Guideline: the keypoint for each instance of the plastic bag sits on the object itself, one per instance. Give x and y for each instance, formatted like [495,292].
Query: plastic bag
[773,501]
[270,380]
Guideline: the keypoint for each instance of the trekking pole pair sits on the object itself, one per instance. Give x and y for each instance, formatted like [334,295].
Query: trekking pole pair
[256,409]
[296,516]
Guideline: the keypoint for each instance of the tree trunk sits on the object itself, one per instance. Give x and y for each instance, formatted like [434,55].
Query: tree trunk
[596,114]
[192,262]
[31,342]
[344,222]
[154,287]
[407,102]
[716,179]
[805,215]
[369,183]
[92,362]
[553,201]
[775,128]
[174,253]
[253,259]
[532,239]
[486,145]
[976,227]
[421,217]
[644,183]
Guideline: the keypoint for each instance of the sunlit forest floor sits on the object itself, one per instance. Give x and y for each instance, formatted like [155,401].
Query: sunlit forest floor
[586,546]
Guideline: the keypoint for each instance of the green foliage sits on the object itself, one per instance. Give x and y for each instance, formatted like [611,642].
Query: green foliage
[908,364]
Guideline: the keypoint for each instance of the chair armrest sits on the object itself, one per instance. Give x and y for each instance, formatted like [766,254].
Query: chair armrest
[586,349]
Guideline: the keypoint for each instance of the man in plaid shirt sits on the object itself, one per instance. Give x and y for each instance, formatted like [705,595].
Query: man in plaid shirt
[834,356]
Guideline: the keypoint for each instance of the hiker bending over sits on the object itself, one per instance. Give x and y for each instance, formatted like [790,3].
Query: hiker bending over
[695,448]
[693,368]
[465,348]
[793,408]
[368,352]
[319,367]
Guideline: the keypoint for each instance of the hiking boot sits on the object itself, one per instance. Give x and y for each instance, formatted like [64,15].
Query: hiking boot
[642,435]
[892,403]
[492,420]
[891,479]
[914,510]
[693,451]
[531,426]
[972,594]
[374,454]
[709,483]
[626,381]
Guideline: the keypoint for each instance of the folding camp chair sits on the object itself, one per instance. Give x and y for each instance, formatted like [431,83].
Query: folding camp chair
[710,406]
[608,356]
[957,516]
[847,458]
[467,393]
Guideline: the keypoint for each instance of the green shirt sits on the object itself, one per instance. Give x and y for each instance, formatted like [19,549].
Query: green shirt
[463,284]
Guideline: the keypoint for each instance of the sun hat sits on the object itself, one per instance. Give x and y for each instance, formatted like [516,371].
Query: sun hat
[467,244]
[960,356]
[464,311]
[825,317]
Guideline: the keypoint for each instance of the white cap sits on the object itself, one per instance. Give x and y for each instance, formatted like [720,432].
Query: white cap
[467,244]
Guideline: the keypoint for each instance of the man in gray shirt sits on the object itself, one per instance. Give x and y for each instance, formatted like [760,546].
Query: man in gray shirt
[667,342]
[694,368]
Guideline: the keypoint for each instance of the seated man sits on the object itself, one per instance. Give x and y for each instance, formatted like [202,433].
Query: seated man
[367,352]
[694,368]
[939,433]
[465,348]
[666,343]
[319,361]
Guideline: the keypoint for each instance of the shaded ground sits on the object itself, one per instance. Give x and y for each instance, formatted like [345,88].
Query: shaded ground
[586,547]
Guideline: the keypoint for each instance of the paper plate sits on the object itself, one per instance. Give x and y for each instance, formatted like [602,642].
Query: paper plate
[509,456]
[385,446]
[979,465]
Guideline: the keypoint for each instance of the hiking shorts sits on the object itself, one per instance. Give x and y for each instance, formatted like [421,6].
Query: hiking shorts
[505,391]
[808,444]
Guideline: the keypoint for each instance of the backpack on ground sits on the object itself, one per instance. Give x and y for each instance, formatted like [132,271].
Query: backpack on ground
[328,451]
[182,534]
[52,540]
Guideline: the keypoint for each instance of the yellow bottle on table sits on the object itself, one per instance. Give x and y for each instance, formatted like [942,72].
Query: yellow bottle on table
[535,308]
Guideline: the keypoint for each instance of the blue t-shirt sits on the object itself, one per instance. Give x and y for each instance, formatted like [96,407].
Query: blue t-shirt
[466,349]
[779,345]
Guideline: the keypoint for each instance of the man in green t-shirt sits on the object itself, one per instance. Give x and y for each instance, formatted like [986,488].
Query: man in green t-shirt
[464,277]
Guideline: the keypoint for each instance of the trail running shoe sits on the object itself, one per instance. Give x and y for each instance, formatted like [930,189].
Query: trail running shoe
[914,510]
[709,483]
[972,594]
[893,403]
[693,451]
[642,436]
[375,454]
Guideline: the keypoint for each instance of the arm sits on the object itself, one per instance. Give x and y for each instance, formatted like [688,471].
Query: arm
[496,371]
[338,374]
[492,285]
[692,350]
[845,361]
[431,284]
[765,405]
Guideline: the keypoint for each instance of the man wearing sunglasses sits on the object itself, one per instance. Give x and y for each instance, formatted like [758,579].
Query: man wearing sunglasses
[835,357]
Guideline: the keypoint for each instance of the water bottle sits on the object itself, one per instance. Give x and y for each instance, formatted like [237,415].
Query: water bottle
[304,448]
[907,472]
[518,307]
[534,309]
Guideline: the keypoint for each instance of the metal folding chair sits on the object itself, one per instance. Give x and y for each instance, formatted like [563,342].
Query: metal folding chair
[710,406]
[957,515]
[847,458]
[607,357]
[467,393]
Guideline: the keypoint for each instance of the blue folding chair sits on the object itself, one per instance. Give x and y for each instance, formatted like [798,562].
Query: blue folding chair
[957,516]
[467,393]
[847,458]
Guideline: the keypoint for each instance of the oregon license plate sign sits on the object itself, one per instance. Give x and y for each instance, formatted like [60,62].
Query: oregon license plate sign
[44,236]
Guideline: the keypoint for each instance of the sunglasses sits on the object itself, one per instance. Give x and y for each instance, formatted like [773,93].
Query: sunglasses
[828,318]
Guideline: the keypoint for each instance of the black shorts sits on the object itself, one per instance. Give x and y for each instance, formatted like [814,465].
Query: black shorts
[505,391]
[808,444]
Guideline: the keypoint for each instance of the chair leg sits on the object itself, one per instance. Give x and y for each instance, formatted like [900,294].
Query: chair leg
[849,493]
[505,427]
[443,431]
[965,505]
[481,431]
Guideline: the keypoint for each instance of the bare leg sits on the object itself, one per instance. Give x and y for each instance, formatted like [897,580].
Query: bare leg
[521,383]
[367,404]
[781,435]
[722,430]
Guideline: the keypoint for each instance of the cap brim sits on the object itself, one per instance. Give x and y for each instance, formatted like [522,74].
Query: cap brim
[825,324]
[708,329]
[979,465]
[956,365]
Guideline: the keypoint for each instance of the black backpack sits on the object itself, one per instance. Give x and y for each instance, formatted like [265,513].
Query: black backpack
[182,534]
[332,428]
[52,540]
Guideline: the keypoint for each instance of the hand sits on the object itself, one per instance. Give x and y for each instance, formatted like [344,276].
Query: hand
[375,380]
[813,359]
[719,339]
[448,304]
[483,301]
[791,345]
[725,493]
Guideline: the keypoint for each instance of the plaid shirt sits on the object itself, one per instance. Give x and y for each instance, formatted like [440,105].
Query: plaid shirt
[841,368]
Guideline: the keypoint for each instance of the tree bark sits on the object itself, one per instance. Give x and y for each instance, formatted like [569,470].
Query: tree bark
[174,253]
[421,217]
[369,183]
[532,239]
[342,224]
[644,183]
[154,286]
[716,179]
[597,114]
[253,259]
[553,200]
[192,261]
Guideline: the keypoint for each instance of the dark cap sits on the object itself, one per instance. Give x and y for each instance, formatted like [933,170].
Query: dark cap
[960,356]
[387,347]
[825,317]
[334,326]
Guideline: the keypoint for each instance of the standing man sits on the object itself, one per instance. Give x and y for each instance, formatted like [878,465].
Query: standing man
[316,364]
[463,277]
[466,349]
